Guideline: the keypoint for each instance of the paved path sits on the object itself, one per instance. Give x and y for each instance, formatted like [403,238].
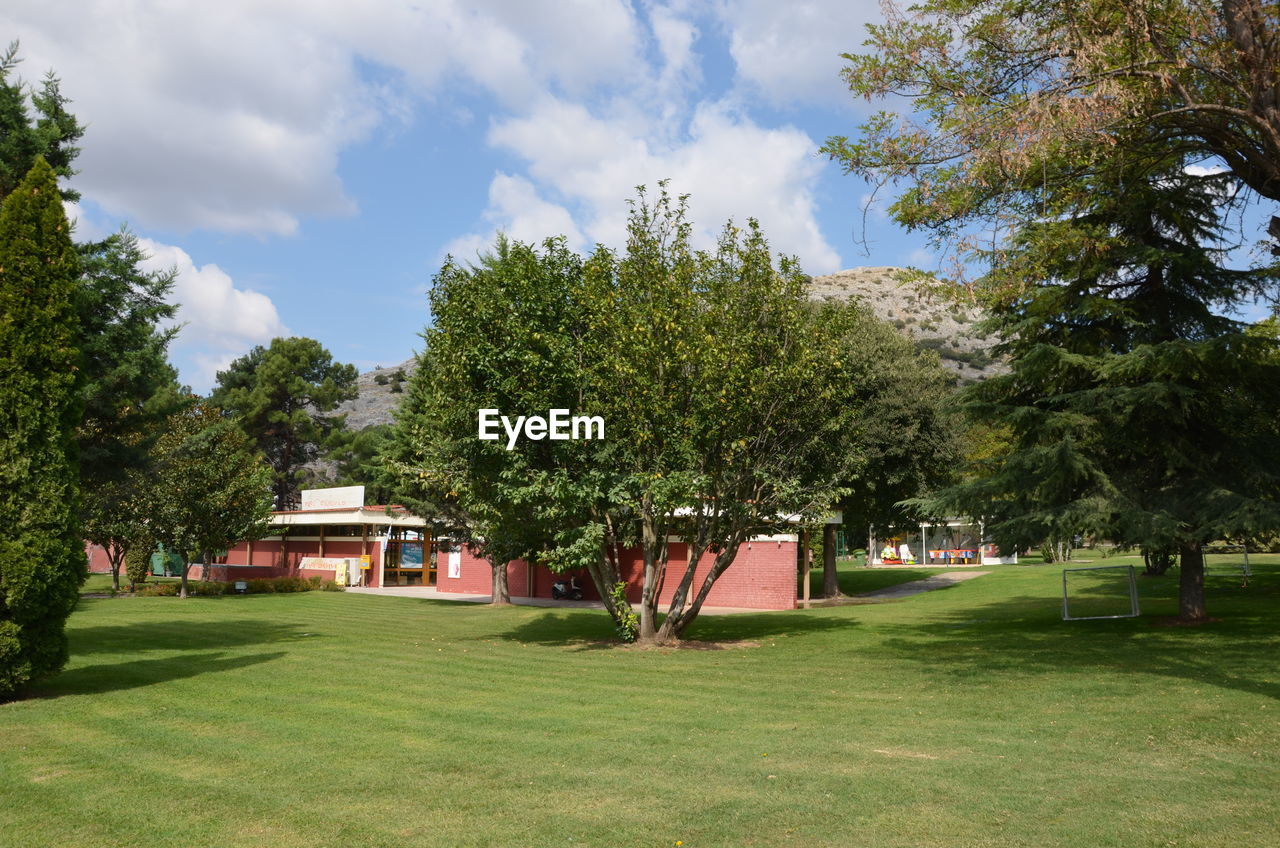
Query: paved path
[915,587]
[434,594]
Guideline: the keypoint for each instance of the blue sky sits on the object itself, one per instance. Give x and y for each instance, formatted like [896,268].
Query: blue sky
[307,165]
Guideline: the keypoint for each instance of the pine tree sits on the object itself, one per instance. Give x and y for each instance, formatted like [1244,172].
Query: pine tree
[1139,409]
[42,561]
[280,395]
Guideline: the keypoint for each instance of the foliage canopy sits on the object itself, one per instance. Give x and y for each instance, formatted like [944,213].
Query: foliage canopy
[732,404]
[279,395]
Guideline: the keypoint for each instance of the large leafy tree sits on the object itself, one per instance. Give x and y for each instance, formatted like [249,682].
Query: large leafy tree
[129,389]
[907,434]
[503,337]
[1062,133]
[730,403]
[279,395]
[1001,92]
[41,550]
[209,488]
[1136,408]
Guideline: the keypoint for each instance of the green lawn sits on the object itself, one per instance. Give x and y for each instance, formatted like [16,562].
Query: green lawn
[970,716]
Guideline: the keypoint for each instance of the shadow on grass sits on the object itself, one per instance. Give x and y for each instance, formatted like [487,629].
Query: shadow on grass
[1026,635]
[96,679]
[595,632]
[180,635]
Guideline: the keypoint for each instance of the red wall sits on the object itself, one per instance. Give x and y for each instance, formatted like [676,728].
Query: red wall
[762,576]
[98,562]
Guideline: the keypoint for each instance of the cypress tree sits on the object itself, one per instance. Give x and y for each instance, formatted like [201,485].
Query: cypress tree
[42,562]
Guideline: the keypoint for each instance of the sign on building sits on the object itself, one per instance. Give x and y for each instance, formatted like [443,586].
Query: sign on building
[348,497]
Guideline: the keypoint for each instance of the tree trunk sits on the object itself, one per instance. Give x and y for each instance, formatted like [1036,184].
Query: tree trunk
[1191,582]
[186,568]
[674,626]
[649,590]
[501,592]
[830,579]
[115,556]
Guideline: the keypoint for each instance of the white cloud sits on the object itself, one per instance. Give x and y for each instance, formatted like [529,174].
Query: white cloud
[732,167]
[922,258]
[675,37]
[220,322]
[84,227]
[1202,170]
[790,52]
[232,115]
[516,209]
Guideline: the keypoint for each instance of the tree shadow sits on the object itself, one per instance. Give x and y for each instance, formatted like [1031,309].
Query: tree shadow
[1026,635]
[116,677]
[180,635]
[201,645]
[595,632]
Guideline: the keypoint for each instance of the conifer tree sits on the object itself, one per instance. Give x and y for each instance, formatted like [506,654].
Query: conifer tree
[280,395]
[1138,408]
[42,561]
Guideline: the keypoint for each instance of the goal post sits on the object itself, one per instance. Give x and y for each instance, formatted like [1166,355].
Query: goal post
[1100,593]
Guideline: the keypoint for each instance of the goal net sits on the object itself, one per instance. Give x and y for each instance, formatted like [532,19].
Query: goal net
[1099,591]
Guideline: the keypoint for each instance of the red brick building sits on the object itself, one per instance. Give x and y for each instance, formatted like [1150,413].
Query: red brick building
[762,576]
[334,536]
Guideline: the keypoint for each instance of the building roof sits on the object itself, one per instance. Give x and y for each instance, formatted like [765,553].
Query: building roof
[392,514]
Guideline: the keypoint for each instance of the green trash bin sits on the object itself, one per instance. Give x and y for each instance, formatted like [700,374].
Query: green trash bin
[165,564]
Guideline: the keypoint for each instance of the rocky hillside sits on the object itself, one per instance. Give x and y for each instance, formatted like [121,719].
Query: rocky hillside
[380,393]
[932,322]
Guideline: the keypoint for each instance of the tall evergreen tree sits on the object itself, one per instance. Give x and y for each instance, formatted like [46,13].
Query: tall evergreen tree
[52,134]
[1137,408]
[41,550]
[129,386]
[280,395]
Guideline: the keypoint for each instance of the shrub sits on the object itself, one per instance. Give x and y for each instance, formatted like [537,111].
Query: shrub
[628,626]
[137,562]
[256,586]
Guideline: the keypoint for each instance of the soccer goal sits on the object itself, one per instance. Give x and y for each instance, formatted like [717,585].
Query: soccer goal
[1099,591]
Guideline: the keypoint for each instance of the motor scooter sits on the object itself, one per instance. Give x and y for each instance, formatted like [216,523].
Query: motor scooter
[560,590]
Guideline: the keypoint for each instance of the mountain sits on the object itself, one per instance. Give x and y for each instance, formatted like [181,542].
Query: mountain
[928,318]
[380,391]
[933,322]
